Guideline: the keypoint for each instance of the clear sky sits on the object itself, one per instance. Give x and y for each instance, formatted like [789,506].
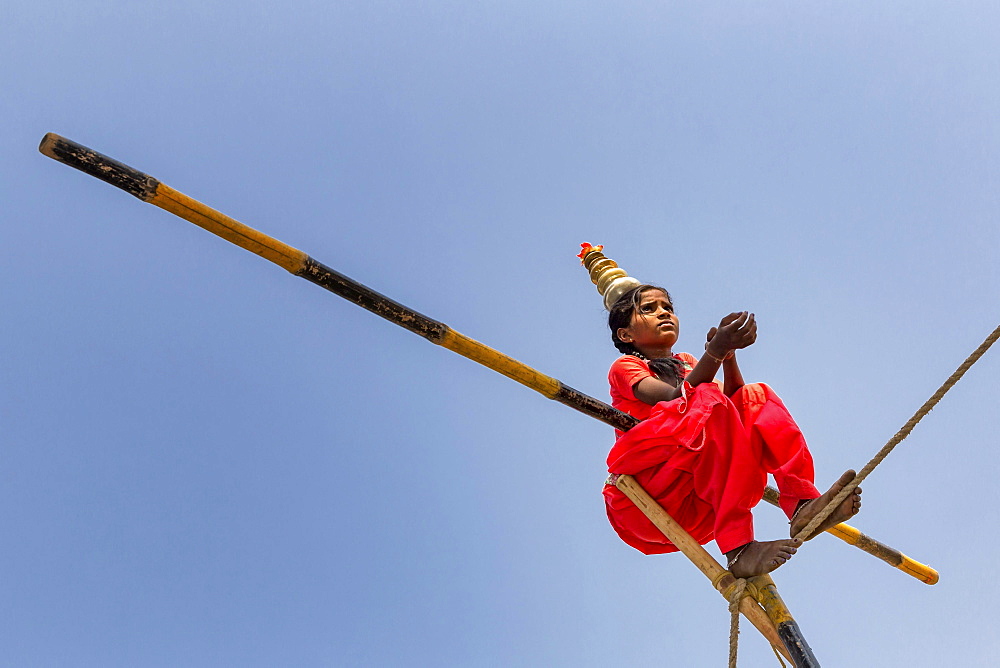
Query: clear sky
[207,461]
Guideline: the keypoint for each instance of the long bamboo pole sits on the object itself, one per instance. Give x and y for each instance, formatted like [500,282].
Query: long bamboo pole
[149,189]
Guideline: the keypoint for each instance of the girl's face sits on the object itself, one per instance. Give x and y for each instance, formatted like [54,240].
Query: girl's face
[654,326]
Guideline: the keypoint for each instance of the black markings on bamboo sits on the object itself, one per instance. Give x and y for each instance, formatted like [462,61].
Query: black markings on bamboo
[99,166]
[802,654]
[880,550]
[366,298]
[594,408]
[430,329]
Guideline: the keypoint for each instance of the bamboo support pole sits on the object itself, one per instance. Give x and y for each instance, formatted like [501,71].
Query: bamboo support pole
[699,556]
[788,628]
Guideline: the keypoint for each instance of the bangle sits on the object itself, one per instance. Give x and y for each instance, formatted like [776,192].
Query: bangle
[717,359]
[720,360]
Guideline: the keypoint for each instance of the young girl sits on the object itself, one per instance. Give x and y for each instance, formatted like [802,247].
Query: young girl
[704,451]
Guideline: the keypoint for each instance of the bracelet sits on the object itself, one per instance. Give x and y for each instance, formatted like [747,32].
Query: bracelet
[720,360]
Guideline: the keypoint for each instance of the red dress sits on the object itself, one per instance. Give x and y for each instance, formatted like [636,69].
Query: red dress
[704,457]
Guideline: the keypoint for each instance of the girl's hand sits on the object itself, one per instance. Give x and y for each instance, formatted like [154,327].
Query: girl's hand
[736,331]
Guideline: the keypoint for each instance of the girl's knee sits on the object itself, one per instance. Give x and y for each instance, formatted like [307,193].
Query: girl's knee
[752,394]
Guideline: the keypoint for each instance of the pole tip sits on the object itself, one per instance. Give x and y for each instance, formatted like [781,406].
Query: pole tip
[47,146]
[99,166]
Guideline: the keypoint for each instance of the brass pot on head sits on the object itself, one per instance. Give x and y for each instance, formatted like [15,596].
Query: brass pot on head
[611,280]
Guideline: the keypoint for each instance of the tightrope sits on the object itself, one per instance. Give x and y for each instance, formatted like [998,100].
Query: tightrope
[900,435]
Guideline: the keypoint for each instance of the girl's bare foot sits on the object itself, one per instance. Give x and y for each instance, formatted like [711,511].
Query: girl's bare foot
[847,509]
[758,558]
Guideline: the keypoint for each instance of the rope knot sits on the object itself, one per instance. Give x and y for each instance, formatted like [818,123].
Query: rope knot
[734,594]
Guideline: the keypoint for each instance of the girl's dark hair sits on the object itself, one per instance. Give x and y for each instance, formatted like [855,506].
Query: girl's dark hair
[665,368]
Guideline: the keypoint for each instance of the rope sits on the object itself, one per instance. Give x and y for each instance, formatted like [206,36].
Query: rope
[738,590]
[900,435]
[735,595]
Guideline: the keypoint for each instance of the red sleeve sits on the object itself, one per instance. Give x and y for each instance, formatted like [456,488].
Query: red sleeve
[688,359]
[625,373]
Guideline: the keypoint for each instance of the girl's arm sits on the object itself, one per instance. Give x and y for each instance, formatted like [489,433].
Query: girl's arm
[733,377]
[651,390]
[737,330]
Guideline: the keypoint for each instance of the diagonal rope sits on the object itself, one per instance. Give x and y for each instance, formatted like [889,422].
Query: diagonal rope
[900,435]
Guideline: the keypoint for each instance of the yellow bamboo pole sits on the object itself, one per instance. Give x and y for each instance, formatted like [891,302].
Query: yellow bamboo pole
[778,613]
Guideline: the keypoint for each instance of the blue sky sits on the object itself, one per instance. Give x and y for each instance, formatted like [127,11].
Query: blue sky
[207,461]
